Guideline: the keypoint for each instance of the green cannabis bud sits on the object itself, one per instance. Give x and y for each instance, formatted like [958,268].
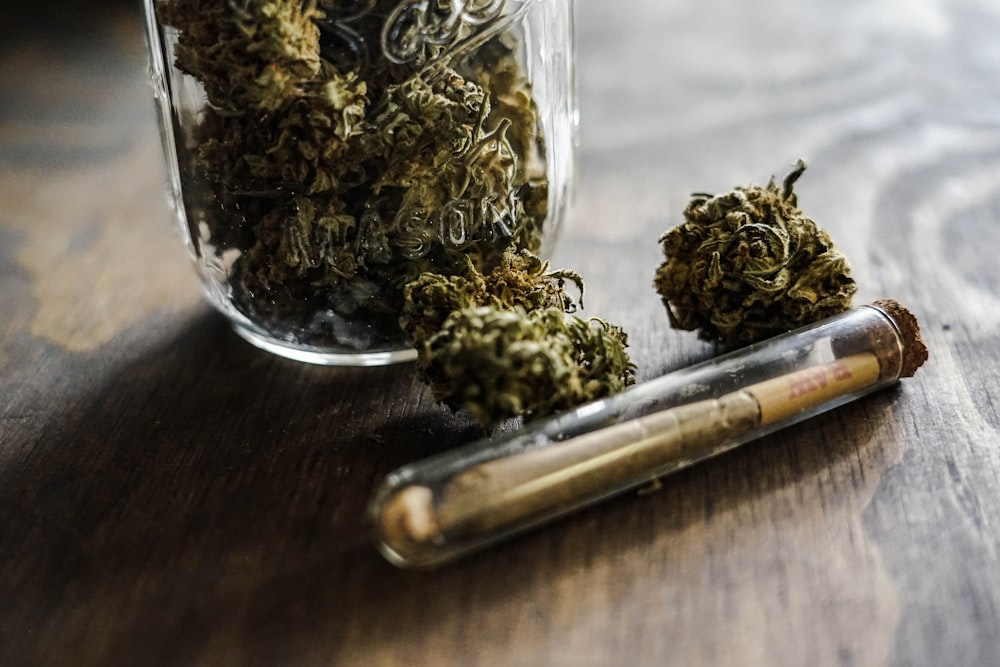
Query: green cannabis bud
[506,344]
[748,265]
[346,148]
[249,53]
[521,279]
[499,363]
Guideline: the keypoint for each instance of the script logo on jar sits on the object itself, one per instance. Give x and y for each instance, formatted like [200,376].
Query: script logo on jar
[416,24]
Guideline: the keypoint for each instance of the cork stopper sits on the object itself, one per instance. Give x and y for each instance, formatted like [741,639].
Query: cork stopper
[914,349]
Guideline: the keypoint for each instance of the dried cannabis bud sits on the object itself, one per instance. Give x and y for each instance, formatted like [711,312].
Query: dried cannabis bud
[521,279]
[748,265]
[255,54]
[343,153]
[504,344]
[499,363]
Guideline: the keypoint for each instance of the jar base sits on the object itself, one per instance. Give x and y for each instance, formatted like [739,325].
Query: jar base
[323,357]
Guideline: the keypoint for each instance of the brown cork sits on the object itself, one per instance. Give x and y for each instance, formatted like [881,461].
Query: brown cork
[914,349]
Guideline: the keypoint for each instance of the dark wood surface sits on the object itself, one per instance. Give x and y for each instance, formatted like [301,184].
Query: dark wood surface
[171,496]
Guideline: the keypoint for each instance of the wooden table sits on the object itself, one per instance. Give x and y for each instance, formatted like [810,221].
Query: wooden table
[170,495]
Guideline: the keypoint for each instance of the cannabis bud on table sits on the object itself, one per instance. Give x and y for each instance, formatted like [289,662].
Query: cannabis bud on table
[748,265]
[328,153]
[505,344]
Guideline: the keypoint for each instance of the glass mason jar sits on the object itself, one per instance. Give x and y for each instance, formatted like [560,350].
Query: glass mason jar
[324,153]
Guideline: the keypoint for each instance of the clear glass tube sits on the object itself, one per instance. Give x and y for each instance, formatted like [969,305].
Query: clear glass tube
[437,509]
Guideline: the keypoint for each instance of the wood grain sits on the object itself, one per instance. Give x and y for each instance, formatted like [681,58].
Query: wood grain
[171,496]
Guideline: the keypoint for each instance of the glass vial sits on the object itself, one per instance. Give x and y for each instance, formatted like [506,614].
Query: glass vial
[324,153]
[438,509]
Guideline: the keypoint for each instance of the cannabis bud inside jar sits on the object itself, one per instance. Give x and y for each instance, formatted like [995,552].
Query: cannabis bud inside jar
[325,154]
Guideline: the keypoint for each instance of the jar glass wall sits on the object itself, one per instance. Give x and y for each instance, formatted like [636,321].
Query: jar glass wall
[324,154]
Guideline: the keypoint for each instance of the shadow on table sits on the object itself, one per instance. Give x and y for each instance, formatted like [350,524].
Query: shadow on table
[170,472]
